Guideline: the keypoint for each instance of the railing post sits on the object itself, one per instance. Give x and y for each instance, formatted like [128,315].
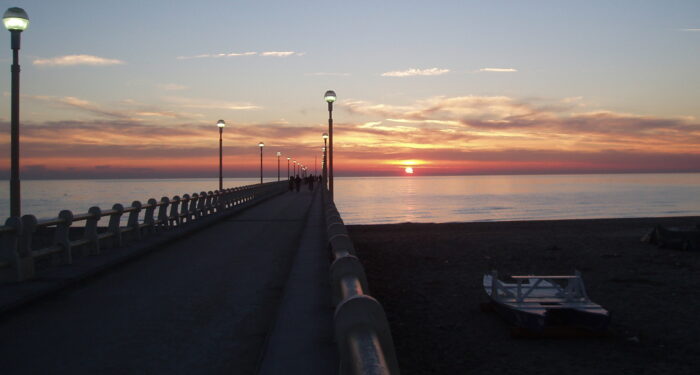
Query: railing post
[114,224]
[223,199]
[29,223]
[174,218]
[192,212]
[210,202]
[133,221]
[62,237]
[163,212]
[93,247]
[10,252]
[201,204]
[184,215]
[148,220]
[24,247]
[216,201]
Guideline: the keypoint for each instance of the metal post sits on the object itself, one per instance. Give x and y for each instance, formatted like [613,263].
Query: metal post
[287,168]
[15,205]
[261,165]
[324,170]
[221,154]
[330,148]
[278,168]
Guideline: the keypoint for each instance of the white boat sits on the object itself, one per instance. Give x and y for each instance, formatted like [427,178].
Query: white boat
[538,302]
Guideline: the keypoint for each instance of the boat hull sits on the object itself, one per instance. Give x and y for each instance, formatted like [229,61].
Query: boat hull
[561,317]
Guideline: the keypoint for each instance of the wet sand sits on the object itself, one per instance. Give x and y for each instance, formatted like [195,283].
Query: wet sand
[428,278]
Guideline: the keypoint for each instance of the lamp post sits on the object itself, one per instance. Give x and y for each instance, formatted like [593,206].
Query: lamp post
[278,165]
[221,124]
[324,172]
[261,145]
[330,97]
[288,167]
[323,167]
[16,21]
[295,168]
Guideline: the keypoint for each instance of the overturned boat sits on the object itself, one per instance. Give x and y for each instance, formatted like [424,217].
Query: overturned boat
[674,237]
[537,303]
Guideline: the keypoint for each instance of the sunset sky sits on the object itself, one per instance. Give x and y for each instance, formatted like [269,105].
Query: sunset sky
[134,88]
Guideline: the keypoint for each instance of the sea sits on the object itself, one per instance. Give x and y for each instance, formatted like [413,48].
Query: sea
[419,199]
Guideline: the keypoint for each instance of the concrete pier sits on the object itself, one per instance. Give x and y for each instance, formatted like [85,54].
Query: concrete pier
[246,295]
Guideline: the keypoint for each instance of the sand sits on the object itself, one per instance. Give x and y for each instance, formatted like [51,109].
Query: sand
[428,278]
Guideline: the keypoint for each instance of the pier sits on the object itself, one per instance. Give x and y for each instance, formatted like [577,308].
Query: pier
[251,280]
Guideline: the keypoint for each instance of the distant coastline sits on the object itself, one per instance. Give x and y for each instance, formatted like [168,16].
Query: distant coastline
[58,176]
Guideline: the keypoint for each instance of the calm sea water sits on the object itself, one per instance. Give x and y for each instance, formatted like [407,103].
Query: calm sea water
[500,198]
[374,200]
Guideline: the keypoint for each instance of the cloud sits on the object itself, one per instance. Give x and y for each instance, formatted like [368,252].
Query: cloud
[70,60]
[499,121]
[211,104]
[237,54]
[498,70]
[81,104]
[131,110]
[692,29]
[277,54]
[416,72]
[217,55]
[461,134]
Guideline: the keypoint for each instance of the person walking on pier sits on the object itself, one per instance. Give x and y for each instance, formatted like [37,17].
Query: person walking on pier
[311,182]
[291,183]
[297,181]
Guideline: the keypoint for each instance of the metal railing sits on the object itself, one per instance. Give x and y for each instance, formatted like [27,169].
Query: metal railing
[362,333]
[59,240]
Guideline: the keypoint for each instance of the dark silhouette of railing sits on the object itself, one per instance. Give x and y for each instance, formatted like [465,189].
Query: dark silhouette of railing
[362,332]
[25,241]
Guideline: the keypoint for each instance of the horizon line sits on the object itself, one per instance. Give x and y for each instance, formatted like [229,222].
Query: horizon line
[400,175]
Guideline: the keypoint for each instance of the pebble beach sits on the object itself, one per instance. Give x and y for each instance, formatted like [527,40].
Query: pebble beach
[428,278]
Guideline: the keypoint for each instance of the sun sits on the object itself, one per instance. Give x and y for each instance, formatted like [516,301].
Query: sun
[409,170]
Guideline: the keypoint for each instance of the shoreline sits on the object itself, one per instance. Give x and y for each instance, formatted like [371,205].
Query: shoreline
[645,218]
[428,278]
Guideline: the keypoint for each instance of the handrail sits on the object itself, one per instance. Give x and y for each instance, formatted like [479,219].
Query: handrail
[362,331]
[17,255]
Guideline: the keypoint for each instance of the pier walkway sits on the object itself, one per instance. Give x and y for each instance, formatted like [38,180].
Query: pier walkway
[247,295]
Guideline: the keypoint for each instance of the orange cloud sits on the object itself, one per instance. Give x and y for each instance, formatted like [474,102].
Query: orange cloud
[442,135]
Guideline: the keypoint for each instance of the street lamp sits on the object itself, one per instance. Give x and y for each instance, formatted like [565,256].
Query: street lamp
[16,21]
[221,124]
[288,167]
[261,145]
[324,172]
[295,168]
[330,97]
[278,165]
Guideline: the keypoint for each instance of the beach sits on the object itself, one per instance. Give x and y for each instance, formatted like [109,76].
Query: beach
[428,279]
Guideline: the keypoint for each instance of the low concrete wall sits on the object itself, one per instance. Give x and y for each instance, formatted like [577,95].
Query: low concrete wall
[365,345]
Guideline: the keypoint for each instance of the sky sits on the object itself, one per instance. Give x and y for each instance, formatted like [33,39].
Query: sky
[130,89]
